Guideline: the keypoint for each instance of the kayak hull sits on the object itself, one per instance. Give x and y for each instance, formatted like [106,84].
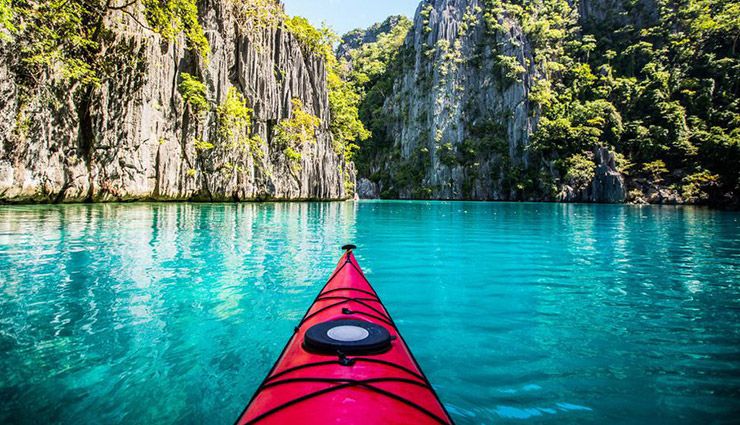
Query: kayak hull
[383,386]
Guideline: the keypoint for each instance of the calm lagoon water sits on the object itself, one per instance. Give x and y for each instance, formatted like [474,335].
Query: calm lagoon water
[518,313]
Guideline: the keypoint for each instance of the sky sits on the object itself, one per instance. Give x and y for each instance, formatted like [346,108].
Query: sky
[346,15]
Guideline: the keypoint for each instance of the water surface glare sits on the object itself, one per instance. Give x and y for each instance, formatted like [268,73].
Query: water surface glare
[518,313]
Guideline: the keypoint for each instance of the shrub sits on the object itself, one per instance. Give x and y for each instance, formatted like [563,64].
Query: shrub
[511,69]
[316,40]
[655,170]
[580,170]
[298,129]
[697,187]
[259,14]
[446,155]
[194,92]
[233,118]
[6,21]
[624,165]
[171,17]
[202,145]
[294,158]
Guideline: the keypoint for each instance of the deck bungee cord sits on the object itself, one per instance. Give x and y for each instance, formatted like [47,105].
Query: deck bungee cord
[345,363]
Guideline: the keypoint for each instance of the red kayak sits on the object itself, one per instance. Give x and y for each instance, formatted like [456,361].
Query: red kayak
[346,364]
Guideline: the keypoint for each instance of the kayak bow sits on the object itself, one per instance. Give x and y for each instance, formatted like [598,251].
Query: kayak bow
[346,363]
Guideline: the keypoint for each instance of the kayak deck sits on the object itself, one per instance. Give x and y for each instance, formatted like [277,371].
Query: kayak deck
[353,367]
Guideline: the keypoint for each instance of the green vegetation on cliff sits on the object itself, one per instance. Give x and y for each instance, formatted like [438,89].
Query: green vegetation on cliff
[293,132]
[656,82]
[665,91]
[371,69]
[171,18]
[71,37]
[653,83]
[346,127]
[194,92]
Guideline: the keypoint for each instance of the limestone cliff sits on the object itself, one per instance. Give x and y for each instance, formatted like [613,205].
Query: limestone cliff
[456,111]
[460,118]
[134,137]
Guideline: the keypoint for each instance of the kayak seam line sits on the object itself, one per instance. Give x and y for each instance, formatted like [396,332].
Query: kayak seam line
[347,289]
[339,297]
[345,380]
[356,359]
[364,384]
[373,316]
[385,320]
[359,301]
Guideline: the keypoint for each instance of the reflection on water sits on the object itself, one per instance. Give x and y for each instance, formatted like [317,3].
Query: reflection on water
[173,313]
[139,313]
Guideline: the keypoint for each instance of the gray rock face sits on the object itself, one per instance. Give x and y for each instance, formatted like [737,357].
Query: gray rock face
[136,138]
[461,118]
[455,106]
[607,186]
[367,189]
[652,192]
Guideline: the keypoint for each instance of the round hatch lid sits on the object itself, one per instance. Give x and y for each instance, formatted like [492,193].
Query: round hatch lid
[348,337]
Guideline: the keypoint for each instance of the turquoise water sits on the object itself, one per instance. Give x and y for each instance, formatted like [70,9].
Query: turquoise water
[518,313]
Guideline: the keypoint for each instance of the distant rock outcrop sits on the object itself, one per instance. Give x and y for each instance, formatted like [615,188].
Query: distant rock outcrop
[607,185]
[356,38]
[366,189]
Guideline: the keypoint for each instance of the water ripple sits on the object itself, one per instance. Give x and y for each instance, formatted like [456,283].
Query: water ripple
[173,313]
